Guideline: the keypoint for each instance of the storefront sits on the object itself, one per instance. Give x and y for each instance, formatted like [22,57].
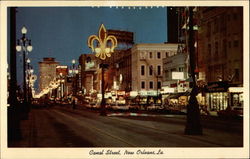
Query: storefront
[217,96]
[235,96]
[177,99]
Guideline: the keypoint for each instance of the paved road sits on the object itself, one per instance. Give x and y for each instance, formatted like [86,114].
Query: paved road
[64,127]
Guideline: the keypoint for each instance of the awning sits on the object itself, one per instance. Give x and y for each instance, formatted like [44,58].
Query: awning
[235,89]
[174,95]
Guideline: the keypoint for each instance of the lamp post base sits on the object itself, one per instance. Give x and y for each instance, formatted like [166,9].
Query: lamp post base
[103,113]
[103,110]
[193,125]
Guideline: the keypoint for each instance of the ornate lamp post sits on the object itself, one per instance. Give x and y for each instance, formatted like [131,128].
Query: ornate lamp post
[29,72]
[103,45]
[74,72]
[24,45]
[61,80]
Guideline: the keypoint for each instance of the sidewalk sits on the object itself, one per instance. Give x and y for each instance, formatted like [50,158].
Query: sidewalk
[26,132]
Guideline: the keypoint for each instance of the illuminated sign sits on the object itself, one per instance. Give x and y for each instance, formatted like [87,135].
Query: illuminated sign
[217,87]
[178,75]
[102,49]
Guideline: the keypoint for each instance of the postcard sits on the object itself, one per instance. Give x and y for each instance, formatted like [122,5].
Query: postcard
[124,79]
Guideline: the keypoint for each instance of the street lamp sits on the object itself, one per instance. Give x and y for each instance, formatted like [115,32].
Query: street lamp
[74,72]
[24,45]
[103,45]
[61,80]
[29,72]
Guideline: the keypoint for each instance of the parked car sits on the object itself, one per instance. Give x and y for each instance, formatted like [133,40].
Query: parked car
[155,107]
[133,107]
[239,110]
[120,107]
[231,112]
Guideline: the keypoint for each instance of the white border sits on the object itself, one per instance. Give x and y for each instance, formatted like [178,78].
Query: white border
[60,153]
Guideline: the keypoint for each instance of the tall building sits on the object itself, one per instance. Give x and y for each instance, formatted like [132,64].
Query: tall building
[220,46]
[147,66]
[176,17]
[120,61]
[47,71]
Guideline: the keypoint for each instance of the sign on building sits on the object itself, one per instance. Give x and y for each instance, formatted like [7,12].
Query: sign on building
[178,75]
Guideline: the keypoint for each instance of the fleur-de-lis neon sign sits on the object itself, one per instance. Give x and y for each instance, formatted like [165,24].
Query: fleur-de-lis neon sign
[102,50]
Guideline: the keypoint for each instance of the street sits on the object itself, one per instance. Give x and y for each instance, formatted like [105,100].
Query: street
[61,126]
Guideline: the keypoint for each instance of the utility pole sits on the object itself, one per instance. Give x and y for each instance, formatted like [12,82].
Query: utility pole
[13,79]
[193,124]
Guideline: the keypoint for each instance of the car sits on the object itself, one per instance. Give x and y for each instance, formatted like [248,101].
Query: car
[239,110]
[120,107]
[231,112]
[133,107]
[155,107]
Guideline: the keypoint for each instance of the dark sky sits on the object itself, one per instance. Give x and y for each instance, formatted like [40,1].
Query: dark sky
[62,32]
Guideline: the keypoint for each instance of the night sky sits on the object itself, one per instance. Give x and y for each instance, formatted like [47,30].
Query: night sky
[62,32]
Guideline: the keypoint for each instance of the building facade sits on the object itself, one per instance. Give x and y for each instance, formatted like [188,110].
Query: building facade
[147,65]
[175,71]
[220,44]
[47,71]
[89,73]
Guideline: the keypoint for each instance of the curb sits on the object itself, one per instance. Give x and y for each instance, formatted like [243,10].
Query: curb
[138,114]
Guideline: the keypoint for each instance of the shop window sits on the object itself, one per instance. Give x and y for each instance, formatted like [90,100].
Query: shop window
[235,100]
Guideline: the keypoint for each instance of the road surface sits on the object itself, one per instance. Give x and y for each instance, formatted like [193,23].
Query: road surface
[64,127]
